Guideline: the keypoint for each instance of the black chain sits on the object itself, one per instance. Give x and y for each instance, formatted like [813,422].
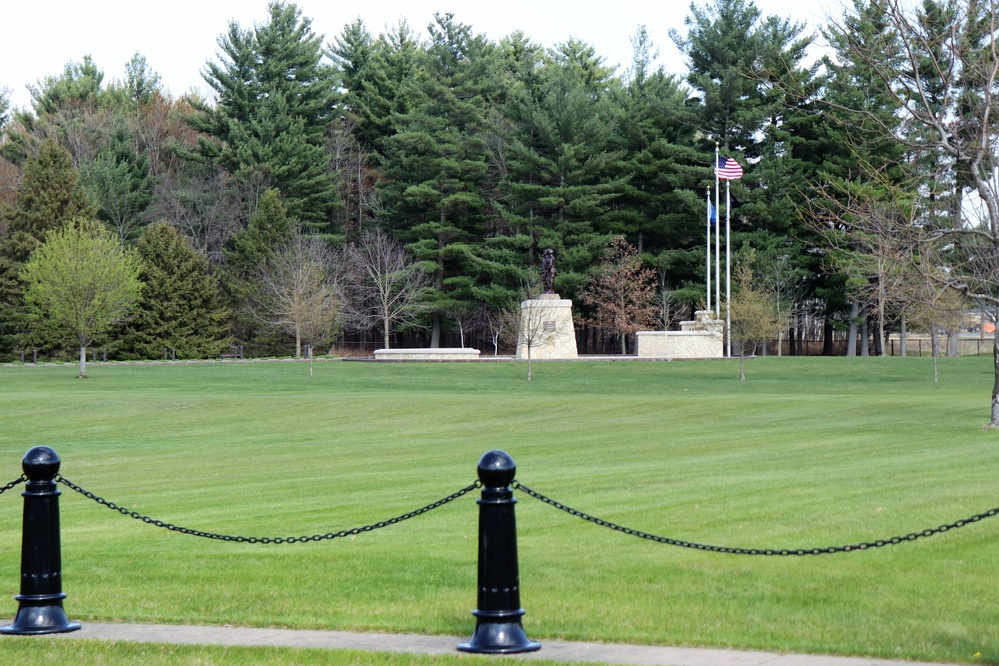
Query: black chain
[268,540]
[13,483]
[912,536]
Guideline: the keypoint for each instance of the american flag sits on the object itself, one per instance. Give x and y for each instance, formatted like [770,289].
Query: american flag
[728,169]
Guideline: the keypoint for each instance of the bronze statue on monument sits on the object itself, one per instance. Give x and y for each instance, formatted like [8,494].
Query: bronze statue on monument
[548,271]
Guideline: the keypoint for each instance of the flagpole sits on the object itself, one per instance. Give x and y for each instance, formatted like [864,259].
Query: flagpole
[728,268]
[717,243]
[707,263]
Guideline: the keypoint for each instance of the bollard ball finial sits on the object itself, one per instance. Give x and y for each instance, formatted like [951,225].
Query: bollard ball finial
[41,463]
[496,469]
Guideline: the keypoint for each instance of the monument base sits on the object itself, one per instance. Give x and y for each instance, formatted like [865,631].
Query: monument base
[701,338]
[546,328]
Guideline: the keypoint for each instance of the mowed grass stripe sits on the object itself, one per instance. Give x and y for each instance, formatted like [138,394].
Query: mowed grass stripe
[806,452]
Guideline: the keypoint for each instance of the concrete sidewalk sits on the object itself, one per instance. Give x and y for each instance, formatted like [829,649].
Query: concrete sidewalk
[635,655]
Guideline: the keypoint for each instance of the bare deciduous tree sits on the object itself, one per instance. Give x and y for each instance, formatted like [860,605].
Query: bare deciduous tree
[669,308]
[204,207]
[533,327]
[301,290]
[939,64]
[10,180]
[784,283]
[495,323]
[355,176]
[870,233]
[386,288]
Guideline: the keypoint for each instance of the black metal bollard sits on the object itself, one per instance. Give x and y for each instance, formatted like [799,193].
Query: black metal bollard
[40,608]
[498,628]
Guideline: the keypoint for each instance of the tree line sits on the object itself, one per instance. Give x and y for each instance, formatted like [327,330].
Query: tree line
[408,182]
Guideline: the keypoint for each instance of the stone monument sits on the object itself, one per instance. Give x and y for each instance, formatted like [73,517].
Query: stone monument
[546,330]
[701,338]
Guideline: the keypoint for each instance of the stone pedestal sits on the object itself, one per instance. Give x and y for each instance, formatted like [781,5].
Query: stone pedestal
[546,325]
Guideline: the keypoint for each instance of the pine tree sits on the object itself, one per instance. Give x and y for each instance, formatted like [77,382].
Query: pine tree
[660,209]
[839,154]
[181,303]
[558,184]
[275,104]
[4,107]
[79,83]
[724,47]
[436,164]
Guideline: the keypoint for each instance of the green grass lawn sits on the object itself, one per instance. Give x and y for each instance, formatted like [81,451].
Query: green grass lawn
[807,452]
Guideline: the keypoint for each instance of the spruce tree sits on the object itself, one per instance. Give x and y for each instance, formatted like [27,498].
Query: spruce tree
[119,183]
[181,303]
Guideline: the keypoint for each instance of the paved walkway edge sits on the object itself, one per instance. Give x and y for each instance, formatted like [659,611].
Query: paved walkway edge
[567,651]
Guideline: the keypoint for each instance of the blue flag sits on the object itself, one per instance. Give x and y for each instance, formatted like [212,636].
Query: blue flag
[712,217]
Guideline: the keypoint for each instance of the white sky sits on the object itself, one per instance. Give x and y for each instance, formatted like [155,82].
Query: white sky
[179,37]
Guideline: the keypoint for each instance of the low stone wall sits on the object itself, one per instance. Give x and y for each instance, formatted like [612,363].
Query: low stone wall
[427,354]
[679,344]
[701,338]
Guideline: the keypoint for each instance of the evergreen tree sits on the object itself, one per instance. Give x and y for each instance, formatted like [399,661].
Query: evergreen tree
[142,83]
[269,228]
[118,181]
[660,209]
[275,104]
[376,76]
[78,84]
[180,305]
[842,155]
[756,100]
[558,183]
[47,197]
[724,46]
[4,107]
[436,164]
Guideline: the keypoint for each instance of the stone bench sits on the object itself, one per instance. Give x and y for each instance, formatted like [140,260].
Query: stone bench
[427,354]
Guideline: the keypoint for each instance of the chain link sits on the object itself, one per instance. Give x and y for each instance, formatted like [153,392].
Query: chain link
[267,540]
[864,545]
[13,483]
